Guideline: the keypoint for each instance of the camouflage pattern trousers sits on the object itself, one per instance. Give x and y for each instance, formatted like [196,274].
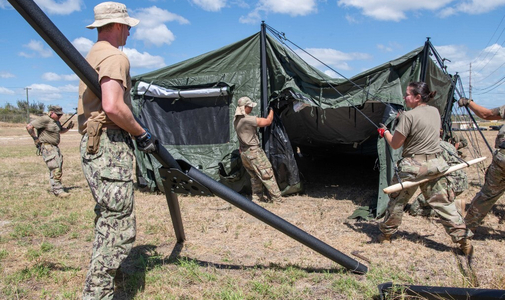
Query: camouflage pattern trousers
[491,191]
[110,178]
[438,192]
[458,181]
[54,161]
[260,169]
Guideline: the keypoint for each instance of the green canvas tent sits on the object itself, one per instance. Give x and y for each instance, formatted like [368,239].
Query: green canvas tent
[190,106]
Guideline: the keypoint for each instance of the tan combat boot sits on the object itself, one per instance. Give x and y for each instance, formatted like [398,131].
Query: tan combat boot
[383,237]
[277,200]
[466,246]
[257,198]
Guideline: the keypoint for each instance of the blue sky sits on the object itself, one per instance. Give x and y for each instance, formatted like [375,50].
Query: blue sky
[349,35]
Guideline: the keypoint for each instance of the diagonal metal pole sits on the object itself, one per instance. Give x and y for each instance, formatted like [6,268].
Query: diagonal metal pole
[49,32]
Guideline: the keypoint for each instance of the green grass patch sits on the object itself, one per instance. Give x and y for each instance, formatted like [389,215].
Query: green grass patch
[37,271]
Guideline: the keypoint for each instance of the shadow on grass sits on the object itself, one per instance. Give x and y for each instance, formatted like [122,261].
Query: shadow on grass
[372,230]
[131,278]
[484,233]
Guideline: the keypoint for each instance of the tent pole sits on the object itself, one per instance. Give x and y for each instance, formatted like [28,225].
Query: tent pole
[424,64]
[264,84]
[51,34]
[446,119]
[174,209]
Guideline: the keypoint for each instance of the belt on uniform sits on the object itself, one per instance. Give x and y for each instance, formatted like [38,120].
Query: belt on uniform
[425,157]
[252,148]
[110,126]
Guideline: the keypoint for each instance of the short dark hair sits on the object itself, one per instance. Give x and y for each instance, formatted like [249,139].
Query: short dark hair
[421,88]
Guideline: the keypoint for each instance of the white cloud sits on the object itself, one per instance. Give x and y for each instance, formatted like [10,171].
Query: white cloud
[290,7]
[210,5]
[351,19]
[50,76]
[392,10]
[6,91]
[254,17]
[144,59]
[152,29]
[293,8]
[331,57]
[384,48]
[156,35]
[45,92]
[332,74]
[472,7]
[6,75]
[488,69]
[391,46]
[37,49]
[4,4]
[83,45]
[60,7]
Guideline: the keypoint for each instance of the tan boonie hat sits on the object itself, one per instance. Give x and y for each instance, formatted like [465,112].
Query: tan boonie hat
[112,12]
[246,101]
[56,109]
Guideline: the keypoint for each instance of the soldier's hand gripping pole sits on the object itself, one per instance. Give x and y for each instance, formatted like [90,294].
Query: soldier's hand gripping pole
[51,34]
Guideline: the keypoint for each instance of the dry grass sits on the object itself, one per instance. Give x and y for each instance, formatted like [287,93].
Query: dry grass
[45,242]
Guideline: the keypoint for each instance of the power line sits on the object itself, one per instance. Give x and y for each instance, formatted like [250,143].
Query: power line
[491,38]
[497,49]
[492,72]
[491,87]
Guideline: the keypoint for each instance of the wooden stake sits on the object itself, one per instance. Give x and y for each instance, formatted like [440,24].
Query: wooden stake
[407,184]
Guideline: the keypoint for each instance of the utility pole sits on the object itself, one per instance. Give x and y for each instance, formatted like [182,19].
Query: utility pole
[27,106]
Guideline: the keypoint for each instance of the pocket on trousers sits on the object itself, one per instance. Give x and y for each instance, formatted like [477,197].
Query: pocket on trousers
[437,166]
[409,170]
[117,174]
[266,173]
[51,162]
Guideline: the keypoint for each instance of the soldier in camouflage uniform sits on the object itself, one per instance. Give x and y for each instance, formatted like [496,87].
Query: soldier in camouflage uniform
[458,141]
[494,184]
[418,132]
[47,139]
[253,157]
[107,148]
[458,182]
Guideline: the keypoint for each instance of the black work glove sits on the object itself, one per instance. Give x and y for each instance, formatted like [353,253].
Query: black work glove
[70,125]
[37,142]
[145,142]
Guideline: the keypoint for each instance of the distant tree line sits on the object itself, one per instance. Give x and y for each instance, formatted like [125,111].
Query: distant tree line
[20,113]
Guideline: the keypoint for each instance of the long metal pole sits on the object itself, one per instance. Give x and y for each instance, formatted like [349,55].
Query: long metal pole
[32,13]
[424,62]
[277,222]
[264,83]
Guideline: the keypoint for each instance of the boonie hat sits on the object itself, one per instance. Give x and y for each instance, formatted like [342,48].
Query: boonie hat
[246,101]
[112,12]
[56,109]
